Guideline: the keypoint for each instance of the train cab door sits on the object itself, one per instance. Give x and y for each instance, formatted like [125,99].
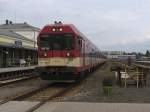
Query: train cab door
[82,50]
[83,45]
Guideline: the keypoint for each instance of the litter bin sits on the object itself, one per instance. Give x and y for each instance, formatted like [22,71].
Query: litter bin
[107,86]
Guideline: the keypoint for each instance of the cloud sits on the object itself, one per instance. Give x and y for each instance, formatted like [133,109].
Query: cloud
[107,23]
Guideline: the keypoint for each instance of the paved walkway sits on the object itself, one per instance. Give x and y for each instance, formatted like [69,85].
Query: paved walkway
[93,107]
[23,106]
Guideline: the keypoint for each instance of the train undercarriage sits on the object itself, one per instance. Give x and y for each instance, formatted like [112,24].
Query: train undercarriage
[58,73]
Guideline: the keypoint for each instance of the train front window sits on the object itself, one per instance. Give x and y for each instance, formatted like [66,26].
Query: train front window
[56,42]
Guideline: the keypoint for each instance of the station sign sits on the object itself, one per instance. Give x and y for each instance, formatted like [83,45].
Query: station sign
[18,43]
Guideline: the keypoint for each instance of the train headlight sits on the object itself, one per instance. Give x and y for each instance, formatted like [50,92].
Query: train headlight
[45,54]
[60,29]
[53,29]
[68,54]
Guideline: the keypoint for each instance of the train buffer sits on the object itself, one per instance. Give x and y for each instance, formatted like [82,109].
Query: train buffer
[135,77]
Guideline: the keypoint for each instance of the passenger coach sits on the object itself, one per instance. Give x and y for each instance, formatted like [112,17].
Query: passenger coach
[64,53]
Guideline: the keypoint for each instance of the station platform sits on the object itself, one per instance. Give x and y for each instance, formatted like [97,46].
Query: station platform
[23,106]
[12,69]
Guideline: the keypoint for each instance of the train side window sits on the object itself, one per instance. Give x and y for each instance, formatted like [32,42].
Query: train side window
[80,42]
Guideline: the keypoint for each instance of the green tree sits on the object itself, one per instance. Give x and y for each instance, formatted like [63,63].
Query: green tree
[147,53]
[139,55]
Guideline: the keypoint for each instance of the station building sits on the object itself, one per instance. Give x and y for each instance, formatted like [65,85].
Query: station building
[17,42]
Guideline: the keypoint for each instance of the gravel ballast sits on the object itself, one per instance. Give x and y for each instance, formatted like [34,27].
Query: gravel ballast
[92,91]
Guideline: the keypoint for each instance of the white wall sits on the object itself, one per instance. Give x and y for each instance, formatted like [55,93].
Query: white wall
[30,35]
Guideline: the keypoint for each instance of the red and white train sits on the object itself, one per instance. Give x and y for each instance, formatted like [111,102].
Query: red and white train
[64,53]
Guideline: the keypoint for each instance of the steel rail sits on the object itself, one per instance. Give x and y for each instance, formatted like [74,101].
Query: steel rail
[17,80]
[24,94]
[58,94]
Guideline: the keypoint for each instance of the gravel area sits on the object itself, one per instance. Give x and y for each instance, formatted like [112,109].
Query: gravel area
[91,90]
[14,89]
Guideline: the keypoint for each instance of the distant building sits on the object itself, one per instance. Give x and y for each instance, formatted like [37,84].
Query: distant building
[17,41]
[115,52]
[121,57]
[126,57]
[112,56]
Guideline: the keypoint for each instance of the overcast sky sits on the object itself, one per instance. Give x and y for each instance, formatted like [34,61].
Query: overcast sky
[110,24]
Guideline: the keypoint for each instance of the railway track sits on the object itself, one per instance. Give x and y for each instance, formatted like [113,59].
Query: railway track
[14,89]
[12,73]
[42,94]
[58,91]
[142,64]
[16,80]
[23,94]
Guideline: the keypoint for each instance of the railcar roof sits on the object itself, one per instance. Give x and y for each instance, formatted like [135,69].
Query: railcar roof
[73,27]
